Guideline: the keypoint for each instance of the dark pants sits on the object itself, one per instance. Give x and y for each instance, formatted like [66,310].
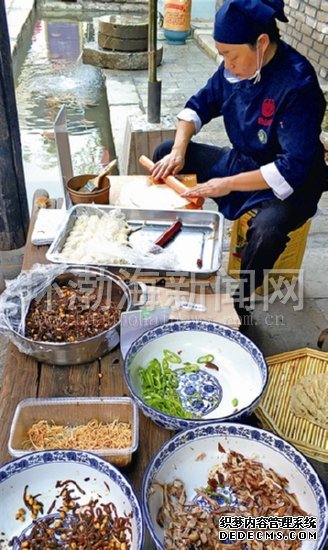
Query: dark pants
[199,158]
[267,235]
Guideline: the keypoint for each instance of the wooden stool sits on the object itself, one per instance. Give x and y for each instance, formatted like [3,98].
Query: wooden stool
[289,260]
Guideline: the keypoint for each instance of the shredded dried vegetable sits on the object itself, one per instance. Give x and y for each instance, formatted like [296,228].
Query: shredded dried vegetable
[260,492]
[94,435]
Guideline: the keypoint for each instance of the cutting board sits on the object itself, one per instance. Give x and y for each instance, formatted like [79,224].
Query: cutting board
[144,192]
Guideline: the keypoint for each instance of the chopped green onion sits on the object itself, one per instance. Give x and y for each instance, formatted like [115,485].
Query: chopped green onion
[209,358]
[189,367]
[159,383]
[235,402]
[171,356]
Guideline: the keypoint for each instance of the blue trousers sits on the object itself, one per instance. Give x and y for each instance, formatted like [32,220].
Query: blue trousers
[267,235]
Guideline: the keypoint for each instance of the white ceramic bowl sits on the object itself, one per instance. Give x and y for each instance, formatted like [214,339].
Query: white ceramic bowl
[225,394]
[40,471]
[179,459]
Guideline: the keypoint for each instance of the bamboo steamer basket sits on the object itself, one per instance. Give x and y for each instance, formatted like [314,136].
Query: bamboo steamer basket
[274,411]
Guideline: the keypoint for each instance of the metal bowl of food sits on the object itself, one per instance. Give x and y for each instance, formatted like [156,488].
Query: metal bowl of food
[65,315]
[67,499]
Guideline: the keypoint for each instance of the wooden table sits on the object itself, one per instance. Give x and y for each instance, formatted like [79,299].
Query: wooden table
[26,377]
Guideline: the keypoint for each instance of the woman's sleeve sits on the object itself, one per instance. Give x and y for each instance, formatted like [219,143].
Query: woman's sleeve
[298,133]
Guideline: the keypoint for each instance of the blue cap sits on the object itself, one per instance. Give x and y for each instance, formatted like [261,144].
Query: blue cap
[242,21]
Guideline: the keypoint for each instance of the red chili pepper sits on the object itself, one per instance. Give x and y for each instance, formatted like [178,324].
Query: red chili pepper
[163,239]
[199,263]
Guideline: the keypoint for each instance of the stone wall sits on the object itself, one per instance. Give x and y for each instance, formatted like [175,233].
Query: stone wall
[307,32]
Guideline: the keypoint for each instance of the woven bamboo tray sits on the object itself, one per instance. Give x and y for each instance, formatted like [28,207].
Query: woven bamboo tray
[274,411]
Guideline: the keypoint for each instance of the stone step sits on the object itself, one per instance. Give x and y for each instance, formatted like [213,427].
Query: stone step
[122,44]
[93,54]
[124,26]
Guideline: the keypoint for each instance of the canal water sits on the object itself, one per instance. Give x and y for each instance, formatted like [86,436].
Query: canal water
[51,75]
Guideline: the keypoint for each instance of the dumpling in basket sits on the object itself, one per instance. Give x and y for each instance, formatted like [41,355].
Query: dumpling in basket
[309,399]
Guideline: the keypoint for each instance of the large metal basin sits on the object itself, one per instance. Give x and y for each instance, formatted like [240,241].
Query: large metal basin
[84,351]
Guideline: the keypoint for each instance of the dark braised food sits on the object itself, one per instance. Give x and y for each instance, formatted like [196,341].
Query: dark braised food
[72,525]
[67,314]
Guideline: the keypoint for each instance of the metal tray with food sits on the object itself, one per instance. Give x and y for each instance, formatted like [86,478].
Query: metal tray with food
[152,240]
[107,426]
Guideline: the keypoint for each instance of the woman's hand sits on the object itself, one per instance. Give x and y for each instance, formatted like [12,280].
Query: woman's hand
[170,164]
[216,187]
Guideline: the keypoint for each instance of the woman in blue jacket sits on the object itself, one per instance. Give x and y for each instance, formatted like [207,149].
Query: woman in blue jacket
[273,107]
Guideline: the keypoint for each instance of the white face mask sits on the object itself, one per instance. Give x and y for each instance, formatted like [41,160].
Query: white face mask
[230,77]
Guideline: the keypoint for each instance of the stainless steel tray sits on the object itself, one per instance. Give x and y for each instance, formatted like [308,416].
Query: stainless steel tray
[201,236]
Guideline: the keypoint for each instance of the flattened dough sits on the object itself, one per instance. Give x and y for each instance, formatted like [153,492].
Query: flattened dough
[309,399]
[143,194]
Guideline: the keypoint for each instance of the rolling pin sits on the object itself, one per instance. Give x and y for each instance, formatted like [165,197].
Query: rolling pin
[172,182]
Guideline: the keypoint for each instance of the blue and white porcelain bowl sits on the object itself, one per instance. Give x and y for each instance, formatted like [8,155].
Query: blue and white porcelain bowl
[192,454]
[40,471]
[226,388]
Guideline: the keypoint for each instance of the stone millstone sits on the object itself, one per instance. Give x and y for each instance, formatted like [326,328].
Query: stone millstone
[131,27]
[122,44]
[123,61]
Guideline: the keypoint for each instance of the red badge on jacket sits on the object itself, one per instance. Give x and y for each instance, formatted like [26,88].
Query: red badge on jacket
[268,108]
